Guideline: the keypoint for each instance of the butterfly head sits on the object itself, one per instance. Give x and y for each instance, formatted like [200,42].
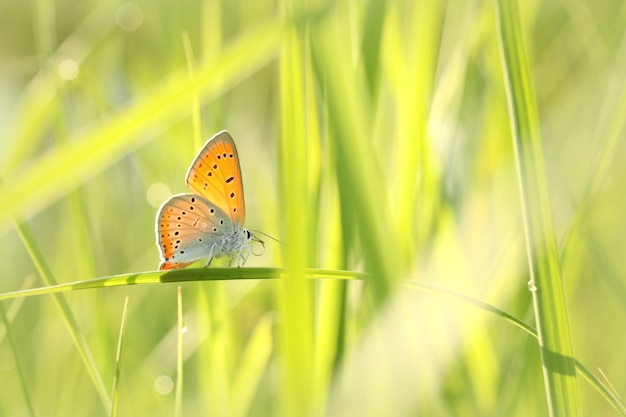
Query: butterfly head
[255,238]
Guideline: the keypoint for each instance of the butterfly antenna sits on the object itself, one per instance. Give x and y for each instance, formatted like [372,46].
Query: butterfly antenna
[266,235]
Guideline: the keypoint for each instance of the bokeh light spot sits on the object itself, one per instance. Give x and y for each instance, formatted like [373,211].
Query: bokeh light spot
[163,384]
[68,69]
[157,193]
[129,16]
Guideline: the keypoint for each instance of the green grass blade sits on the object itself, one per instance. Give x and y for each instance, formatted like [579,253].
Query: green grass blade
[372,38]
[359,174]
[295,295]
[181,275]
[118,360]
[329,337]
[417,183]
[543,256]
[178,396]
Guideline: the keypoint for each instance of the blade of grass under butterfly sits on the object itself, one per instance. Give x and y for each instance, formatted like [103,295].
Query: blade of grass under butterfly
[118,360]
[64,309]
[545,270]
[181,275]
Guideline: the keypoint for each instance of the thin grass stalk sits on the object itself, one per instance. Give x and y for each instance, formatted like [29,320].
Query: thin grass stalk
[118,360]
[180,327]
[196,119]
[546,283]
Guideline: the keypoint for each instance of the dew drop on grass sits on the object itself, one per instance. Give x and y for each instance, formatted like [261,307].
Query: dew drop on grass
[531,286]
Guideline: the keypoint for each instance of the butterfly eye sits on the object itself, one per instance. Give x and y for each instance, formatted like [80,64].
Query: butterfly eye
[248,234]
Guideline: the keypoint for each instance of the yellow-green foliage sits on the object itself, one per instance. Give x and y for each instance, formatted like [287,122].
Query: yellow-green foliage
[383,142]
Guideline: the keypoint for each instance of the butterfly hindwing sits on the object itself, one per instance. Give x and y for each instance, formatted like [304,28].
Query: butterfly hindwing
[187,227]
[215,174]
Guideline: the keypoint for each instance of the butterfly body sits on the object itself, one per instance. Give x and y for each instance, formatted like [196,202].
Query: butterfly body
[208,222]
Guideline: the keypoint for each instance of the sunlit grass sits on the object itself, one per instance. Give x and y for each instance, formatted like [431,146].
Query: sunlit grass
[375,144]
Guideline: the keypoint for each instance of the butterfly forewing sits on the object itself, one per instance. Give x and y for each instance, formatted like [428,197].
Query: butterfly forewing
[215,174]
[186,226]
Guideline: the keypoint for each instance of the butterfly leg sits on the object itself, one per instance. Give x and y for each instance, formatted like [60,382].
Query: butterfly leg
[210,256]
[239,263]
[242,257]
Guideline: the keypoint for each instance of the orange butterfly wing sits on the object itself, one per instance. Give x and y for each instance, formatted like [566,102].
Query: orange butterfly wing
[215,174]
[186,227]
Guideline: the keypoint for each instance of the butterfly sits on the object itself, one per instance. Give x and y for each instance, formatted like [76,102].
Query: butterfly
[208,222]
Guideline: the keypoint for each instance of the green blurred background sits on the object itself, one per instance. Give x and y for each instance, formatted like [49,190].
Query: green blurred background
[373,136]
